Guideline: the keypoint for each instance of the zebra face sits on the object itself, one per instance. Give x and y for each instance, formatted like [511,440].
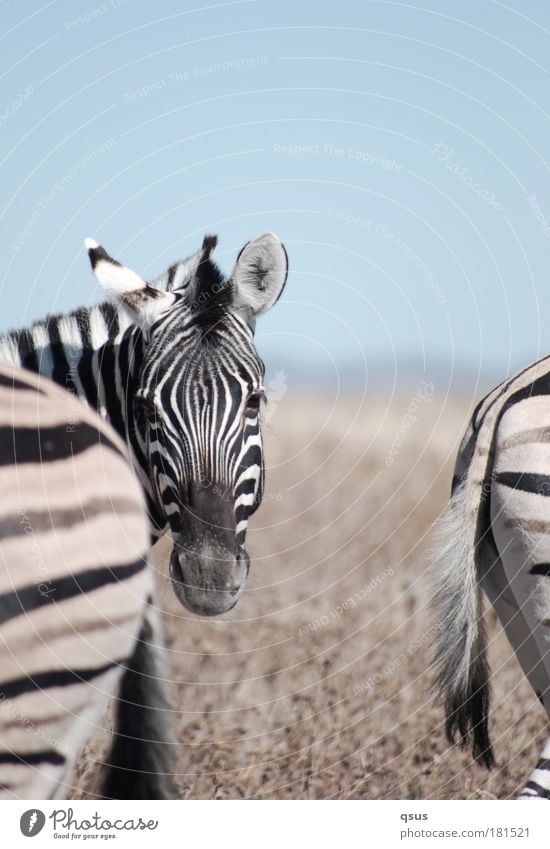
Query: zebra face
[197,407]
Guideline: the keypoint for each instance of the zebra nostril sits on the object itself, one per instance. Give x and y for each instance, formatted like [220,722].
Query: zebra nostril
[243,562]
[239,574]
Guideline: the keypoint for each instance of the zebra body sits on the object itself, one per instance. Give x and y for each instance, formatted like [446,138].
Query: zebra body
[75,619]
[496,535]
[173,367]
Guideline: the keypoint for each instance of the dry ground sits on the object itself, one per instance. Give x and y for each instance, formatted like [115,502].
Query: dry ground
[316,686]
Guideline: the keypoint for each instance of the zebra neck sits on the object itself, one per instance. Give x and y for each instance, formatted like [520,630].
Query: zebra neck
[96,354]
[93,353]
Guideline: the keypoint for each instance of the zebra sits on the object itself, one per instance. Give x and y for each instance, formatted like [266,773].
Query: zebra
[76,622]
[495,535]
[173,366]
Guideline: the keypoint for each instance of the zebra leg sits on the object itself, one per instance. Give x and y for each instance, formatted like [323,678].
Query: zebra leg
[538,786]
[141,758]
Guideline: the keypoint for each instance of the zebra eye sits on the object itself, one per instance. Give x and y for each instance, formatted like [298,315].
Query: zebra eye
[253,403]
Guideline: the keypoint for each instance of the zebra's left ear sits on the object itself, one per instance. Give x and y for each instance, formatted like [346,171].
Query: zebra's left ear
[259,275]
[126,288]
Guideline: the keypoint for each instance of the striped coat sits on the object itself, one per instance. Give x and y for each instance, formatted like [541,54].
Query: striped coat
[75,624]
[174,368]
[495,535]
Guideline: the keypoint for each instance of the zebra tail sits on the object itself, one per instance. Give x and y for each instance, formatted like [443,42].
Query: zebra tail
[141,761]
[460,663]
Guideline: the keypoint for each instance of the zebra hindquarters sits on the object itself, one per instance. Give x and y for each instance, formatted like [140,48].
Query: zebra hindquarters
[140,765]
[518,583]
[73,580]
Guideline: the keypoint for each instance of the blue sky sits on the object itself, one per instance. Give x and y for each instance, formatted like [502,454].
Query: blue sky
[399,150]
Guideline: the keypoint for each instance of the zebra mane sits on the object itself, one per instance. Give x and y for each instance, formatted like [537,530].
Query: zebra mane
[83,327]
[181,274]
[212,294]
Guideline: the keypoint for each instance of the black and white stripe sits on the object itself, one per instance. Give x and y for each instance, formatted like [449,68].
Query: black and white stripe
[495,535]
[75,612]
[538,786]
[174,368]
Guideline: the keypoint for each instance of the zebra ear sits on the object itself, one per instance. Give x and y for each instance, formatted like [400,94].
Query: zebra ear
[259,275]
[126,288]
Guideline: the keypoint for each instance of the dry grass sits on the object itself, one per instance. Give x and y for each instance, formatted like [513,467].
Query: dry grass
[279,699]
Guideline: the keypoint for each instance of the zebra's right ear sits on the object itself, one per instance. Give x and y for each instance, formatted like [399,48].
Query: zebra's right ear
[126,288]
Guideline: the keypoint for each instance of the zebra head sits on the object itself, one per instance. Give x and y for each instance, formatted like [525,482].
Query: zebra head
[196,406]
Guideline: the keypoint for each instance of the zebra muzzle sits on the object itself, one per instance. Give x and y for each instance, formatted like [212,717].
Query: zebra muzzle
[208,567]
[208,583]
